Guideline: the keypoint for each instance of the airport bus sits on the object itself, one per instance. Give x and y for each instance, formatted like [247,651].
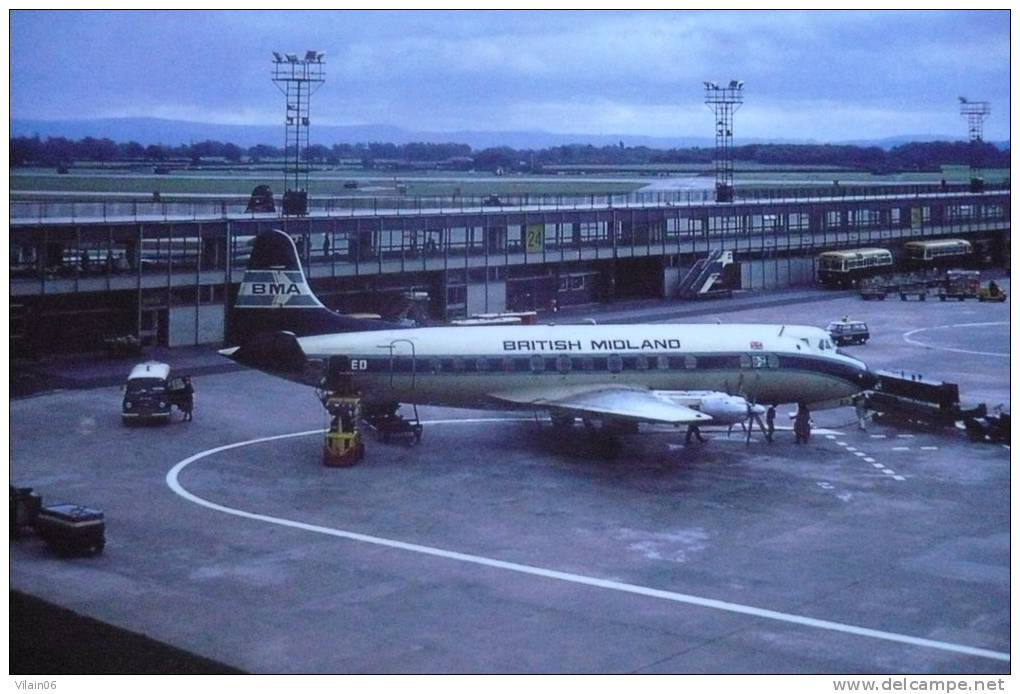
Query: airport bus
[923,255]
[846,268]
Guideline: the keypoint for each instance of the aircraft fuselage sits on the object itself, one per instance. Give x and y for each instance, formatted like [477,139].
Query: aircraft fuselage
[467,367]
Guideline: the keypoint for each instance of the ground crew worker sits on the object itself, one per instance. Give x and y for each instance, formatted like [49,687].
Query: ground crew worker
[187,402]
[770,421]
[693,430]
[862,414]
[802,424]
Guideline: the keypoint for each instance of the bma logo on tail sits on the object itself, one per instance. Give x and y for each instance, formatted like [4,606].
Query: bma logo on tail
[275,289]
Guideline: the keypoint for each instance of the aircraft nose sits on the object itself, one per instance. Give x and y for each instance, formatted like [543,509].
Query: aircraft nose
[867,379]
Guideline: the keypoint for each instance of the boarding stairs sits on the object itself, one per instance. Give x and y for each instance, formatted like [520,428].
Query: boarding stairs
[702,279]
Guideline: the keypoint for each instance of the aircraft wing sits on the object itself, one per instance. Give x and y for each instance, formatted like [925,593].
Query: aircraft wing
[606,401]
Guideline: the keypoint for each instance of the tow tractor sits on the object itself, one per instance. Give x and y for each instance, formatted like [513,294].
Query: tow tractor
[343,446]
[991,293]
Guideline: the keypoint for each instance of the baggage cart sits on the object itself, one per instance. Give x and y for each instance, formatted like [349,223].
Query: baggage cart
[71,529]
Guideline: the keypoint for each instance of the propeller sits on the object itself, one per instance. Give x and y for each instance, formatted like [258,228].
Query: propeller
[754,411]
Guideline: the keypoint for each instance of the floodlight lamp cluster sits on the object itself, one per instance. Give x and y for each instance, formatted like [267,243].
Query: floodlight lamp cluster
[974,108]
[292,58]
[734,84]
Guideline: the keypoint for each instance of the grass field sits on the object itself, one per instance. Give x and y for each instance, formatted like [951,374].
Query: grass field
[593,180]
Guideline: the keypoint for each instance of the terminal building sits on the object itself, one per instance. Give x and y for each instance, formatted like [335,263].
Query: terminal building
[166,271]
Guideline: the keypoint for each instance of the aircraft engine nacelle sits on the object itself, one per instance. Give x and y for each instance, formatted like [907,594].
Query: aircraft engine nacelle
[728,409]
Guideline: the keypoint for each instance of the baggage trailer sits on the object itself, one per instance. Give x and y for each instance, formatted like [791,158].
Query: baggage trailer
[72,530]
[960,285]
[910,399]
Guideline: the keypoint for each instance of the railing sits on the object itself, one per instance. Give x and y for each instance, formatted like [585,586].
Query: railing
[98,259]
[34,208]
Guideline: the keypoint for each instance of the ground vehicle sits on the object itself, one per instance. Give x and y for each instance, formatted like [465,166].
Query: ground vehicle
[916,288]
[873,288]
[846,268]
[848,332]
[991,293]
[922,255]
[960,285]
[148,394]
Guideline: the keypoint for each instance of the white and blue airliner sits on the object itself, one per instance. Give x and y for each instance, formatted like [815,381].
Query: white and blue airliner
[619,374]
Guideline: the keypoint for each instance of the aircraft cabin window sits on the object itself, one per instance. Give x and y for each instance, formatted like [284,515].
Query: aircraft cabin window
[537,363]
[588,363]
[690,362]
[508,364]
[435,364]
[458,364]
[481,364]
[641,362]
[661,362]
[563,363]
[745,361]
[615,363]
[773,361]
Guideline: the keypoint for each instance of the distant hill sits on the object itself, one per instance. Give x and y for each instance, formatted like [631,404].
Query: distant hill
[897,140]
[154,131]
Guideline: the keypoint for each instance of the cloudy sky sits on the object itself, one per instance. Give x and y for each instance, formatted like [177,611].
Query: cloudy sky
[809,75]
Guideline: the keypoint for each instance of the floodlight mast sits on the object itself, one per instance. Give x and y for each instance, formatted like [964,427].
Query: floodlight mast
[297,79]
[975,112]
[724,102]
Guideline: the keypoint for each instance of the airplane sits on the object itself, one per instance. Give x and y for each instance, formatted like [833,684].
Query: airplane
[617,375]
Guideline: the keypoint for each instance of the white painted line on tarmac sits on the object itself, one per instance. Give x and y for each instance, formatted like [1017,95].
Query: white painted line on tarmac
[907,338]
[877,436]
[904,436]
[859,454]
[888,471]
[929,448]
[830,436]
[869,460]
[1005,446]
[899,477]
[842,443]
[605,584]
[901,448]
[851,448]
[878,465]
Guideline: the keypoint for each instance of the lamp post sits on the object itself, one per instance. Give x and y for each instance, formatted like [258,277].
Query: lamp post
[724,102]
[297,78]
[975,112]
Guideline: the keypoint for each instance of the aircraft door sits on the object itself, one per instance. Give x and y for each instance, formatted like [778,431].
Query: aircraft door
[403,367]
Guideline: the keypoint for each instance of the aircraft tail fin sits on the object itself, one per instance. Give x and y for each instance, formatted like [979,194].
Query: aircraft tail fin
[274,296]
